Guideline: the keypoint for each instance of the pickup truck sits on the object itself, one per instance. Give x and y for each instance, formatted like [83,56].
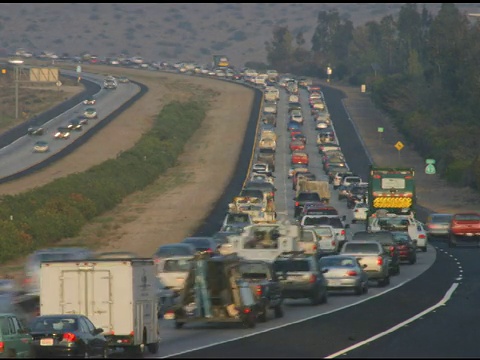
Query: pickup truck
[464,227]
[372,256]
[265,285]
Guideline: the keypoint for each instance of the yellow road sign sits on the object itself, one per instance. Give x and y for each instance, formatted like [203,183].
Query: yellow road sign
[399,145]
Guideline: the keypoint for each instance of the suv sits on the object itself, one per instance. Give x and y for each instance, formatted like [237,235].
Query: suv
[301,277]
[337,222]
[387,240]
[14,337]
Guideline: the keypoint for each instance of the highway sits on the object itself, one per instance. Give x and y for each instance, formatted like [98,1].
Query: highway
[279,337]
[19,155]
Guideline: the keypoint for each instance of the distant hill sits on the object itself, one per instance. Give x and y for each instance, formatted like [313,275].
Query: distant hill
[171,32]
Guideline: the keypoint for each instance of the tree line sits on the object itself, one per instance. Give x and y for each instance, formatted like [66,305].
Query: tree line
[422,69]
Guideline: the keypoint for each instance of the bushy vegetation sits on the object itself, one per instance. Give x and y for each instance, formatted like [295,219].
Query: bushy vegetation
[421,69]
[45,215]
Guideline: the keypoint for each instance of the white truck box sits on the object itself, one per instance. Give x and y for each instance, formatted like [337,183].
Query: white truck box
[117,295]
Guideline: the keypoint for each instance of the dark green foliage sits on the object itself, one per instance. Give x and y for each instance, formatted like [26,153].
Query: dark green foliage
[43,216]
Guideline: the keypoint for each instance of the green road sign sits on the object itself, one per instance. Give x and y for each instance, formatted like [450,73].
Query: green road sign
[380,129]
[430,161]
[430,169]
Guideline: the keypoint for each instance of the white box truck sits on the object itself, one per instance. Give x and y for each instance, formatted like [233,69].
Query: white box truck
[117,295]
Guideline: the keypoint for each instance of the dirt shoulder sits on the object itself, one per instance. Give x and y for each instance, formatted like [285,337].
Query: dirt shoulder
[432,192]
[172,207]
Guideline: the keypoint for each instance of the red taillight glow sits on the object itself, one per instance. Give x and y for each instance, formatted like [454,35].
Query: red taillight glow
[156,260]
[342,232]
[258,290]
[379,260]
[297,203]
[313,278]
[247,311]
[69,337]
[209,251]
[314,247]
[2,346]
[421,236]
[351,273]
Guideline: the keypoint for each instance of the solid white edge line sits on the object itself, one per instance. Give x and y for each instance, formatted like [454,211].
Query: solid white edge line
[287,324]
[442,302]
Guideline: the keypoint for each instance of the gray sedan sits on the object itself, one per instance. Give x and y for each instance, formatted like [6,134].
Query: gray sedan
[344,272]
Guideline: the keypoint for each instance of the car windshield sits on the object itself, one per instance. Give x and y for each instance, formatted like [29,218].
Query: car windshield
[351,247]
[237,218]
[177,265]
[444,218]
[323,231]
[173,250]
[339,261]
[50,324]
[281,266]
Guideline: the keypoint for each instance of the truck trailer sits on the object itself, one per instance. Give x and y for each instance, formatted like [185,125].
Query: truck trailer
[117,295]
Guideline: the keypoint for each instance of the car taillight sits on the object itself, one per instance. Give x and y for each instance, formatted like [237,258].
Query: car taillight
[258,290]
[356,210]
[313,278]
[351,273]
[69,337]
[297,203]
[209,251]
[272,194]
[333,242]
[379,260]
[421,236]
[314,247]
[156,260]
[342,232]
[2,346]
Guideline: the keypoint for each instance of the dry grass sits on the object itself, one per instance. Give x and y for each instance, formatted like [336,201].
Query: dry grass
[167,31]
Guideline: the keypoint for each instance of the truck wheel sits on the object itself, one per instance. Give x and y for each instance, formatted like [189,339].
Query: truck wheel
[153,348]
[278,311]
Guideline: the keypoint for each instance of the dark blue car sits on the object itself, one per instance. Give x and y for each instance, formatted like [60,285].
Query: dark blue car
[292,125]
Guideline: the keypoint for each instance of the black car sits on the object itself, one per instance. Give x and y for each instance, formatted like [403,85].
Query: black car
[75,125]
[204,244]
[67,336]
[303,198]
[35,130]
[387,240]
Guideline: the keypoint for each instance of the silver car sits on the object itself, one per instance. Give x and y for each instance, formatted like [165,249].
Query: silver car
[438,225]
[173,271]
[344,272]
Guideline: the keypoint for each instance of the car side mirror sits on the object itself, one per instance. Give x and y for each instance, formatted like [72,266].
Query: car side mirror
[97,331]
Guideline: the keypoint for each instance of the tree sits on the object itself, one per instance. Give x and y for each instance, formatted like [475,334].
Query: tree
[280,49]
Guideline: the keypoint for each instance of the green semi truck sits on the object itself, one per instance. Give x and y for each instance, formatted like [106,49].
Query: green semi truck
[391,190]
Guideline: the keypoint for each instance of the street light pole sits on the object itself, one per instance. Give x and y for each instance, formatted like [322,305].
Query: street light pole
[16,92]
[16,63]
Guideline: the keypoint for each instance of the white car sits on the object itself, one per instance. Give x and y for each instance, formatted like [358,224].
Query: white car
[321,124]
[260,168]
[173,271]
[293,99]
[393,222]
[359,212]
[327,236]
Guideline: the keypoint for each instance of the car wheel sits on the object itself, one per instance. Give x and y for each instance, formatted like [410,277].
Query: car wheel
[262,317]
[178,324]
[315,299]
[359,290]
[278,310]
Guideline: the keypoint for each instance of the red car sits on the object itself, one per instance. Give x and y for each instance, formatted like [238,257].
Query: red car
[299,157]
[296,145]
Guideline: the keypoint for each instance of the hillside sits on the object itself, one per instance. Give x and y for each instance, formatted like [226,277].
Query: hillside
[171,32]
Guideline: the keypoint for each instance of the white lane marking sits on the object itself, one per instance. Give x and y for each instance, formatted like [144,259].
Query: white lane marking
[286,324]
[442,302]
